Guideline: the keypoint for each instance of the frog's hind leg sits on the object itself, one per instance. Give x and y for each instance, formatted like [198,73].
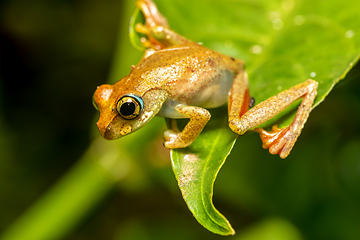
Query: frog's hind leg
[239,97]
[281,141]
[156,28]
[278,141]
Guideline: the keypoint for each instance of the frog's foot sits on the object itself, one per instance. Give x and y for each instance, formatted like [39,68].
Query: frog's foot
[154,35]
[154,24]
[140,28]
[156,28]
[174,140]
[173,137]
[278,140]
[152,15]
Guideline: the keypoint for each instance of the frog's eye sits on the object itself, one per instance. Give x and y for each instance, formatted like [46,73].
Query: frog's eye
[129,106]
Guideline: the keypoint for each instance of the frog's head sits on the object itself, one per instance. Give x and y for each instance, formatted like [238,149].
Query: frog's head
[120,113]
[123,112]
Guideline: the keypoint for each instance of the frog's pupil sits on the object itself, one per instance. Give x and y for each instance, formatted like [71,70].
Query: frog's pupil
[127,108]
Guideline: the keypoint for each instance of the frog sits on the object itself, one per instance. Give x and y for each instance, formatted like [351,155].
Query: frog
[181,79]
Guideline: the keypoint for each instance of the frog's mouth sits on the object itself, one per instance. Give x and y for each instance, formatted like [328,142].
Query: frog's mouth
[115,129]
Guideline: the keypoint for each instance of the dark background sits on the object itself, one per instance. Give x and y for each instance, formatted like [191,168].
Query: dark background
[53,54]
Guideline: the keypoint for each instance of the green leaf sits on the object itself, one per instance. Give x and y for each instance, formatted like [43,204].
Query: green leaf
[196,168]
[283,42]
[135,37]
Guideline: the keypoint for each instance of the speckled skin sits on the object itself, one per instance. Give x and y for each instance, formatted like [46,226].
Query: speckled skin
[178,78]
[190,74]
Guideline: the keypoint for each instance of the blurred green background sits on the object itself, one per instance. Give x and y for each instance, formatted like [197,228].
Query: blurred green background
[54,53]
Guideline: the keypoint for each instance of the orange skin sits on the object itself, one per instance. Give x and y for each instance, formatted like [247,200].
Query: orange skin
[178,78]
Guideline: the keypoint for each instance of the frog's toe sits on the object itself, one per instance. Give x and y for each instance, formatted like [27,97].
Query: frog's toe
[141,28]
[170,138]
[174,140]
[152,15]
[278,141]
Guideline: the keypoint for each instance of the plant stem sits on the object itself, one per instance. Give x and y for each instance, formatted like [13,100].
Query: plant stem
[70,199]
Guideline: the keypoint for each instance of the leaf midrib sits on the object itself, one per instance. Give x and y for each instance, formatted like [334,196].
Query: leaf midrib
[212,150]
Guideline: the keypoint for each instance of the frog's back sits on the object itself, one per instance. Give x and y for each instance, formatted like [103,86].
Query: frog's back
[192,74]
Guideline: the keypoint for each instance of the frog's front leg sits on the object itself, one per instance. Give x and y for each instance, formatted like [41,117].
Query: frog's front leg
[156,28]
[278,141]
[198,119]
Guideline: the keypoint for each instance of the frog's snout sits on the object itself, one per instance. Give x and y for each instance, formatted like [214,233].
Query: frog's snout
[114,130]
[106,132]
[110,124]
[104,129]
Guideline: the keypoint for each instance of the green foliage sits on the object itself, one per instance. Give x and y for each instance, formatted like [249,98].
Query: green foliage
[135,37]
[283,43]
[196,168]
[125,189]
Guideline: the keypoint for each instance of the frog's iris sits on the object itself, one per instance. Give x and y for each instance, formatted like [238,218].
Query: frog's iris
[129,106]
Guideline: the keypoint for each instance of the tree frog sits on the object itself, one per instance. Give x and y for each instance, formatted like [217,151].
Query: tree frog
[178,78]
